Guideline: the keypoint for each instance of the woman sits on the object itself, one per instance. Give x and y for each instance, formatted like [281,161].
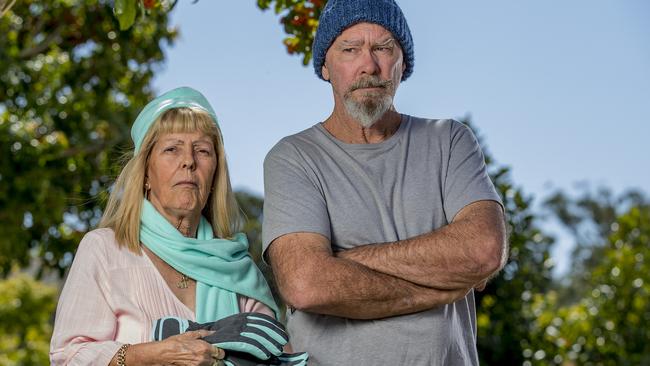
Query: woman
[166,247]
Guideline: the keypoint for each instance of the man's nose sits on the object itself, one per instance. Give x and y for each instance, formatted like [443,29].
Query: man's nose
[369,64]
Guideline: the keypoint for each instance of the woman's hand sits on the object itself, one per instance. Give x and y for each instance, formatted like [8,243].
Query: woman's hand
[189,349]
[186,349]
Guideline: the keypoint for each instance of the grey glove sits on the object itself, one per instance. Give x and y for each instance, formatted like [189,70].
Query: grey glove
[285,359]
[293,359]
[252,333]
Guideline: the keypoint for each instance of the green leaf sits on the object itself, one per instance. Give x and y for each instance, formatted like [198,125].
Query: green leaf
[125,11]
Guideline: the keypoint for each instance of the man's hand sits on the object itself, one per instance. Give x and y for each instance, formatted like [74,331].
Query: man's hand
[481,285]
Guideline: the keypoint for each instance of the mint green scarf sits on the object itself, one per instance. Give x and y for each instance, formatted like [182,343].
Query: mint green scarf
[222,268]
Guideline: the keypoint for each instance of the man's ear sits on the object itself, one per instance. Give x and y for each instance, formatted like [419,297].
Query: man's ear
[325,72]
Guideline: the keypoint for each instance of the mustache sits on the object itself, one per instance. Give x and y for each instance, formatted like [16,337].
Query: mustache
[370,82]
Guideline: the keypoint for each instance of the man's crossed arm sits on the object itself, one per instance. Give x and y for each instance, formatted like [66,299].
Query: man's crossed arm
[382,280]
[460,255]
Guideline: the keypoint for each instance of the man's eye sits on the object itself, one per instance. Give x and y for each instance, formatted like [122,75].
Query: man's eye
[348,50]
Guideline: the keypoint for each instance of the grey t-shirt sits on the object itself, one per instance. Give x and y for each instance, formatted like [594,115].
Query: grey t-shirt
[414,182]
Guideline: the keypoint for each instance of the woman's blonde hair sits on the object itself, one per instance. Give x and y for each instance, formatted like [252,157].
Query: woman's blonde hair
[122,213]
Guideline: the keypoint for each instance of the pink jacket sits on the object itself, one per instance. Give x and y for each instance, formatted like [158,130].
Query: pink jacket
[112,296]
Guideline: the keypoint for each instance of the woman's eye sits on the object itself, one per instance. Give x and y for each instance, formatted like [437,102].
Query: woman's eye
[204,151]
[170,149]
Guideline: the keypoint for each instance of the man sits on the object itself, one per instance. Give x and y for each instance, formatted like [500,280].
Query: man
[379,225]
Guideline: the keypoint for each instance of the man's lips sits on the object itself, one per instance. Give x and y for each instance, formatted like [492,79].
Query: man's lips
[368,90]
[370,87]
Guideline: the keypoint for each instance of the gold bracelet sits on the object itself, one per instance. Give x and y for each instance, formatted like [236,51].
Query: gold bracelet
[121,354]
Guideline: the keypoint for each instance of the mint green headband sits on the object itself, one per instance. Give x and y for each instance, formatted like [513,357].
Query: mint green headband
[176,98]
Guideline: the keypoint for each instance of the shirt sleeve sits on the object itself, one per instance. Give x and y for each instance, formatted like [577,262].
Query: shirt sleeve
[85,324]
[250,305]
[466,180]
[293,199]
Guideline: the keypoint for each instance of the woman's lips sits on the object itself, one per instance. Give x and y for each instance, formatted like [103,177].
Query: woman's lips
[187,183]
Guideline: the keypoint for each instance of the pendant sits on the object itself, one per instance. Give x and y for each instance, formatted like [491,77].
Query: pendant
[183,282]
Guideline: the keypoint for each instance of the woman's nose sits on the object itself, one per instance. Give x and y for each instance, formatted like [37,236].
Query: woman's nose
[188,161]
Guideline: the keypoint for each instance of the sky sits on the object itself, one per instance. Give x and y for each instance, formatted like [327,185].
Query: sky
[559,90]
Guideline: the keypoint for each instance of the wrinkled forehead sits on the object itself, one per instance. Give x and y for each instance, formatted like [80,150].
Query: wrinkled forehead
[364,32]
[195,137]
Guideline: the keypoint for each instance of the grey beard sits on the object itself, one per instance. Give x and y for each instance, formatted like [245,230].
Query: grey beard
[369,110]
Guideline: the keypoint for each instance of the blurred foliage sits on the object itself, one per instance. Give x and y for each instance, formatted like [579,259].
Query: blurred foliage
[71,84]
[502,316]
[588,217]
[251,206]
[608,325]
[298,17]
[26,307]
[126,10]
[300,20]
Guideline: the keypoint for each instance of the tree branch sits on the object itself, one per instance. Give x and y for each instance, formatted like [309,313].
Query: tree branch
[55,36]
[5,7]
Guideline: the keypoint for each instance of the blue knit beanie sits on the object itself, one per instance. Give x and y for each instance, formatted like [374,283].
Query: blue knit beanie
[339,15]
